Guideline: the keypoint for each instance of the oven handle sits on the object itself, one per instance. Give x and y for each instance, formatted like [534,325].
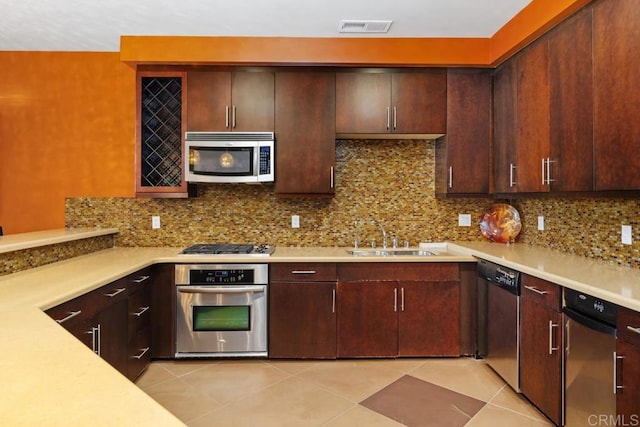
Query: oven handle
[226,290]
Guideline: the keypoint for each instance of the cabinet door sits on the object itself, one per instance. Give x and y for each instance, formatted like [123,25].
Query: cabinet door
[139,327]
[367,319]
[532,116]
[571,104]
[363,102]
[419,102]
[504,116]
[429,320]
[113,342]
[305,132]
[540,357]
[463,156]
[302,320]
[616,95]
[161,124]
[627,402]
[209,101]
[252,97]
[163,312]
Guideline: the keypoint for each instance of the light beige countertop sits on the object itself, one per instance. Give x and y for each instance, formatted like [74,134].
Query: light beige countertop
[16,242]
[50,378]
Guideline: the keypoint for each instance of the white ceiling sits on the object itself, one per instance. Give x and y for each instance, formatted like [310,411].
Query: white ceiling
[96,25]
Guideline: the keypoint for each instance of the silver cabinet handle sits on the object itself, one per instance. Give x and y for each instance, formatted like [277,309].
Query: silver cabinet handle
[144,351]
[536,290]
[543,180]
[512,181]
[226,116]
[549,161]
[140,279]
[551,347]
[401,299]
[117,292]
[71,315]
[303,272]
[233,118]
[395,118]
[141,312]
[450,176]
[333,302]
[632,329]
[395,299]
[225,290]
[616,358]
[388,118]
[332,182]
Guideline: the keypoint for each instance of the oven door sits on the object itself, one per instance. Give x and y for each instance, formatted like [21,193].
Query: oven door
[221,321]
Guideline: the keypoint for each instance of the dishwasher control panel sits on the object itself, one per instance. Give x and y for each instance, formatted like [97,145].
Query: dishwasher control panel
[591,306]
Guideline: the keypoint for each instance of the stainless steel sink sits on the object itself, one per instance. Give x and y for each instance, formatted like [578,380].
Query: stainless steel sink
[390,252]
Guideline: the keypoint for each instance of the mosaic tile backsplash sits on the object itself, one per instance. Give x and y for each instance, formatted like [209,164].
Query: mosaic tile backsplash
[389,181]
[12,262]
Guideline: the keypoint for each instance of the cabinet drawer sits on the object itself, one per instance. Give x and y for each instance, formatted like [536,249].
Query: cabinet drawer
[138,280]
[110,293]
[629,325]
[70,311]
[139,311]
[304,272]
[139,353]
[542,291]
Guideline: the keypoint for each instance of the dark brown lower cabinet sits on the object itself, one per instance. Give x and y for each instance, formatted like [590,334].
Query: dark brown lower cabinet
[399,309]
[112,338]
[302,311]
[541,346]
[302,320]
[163,302]
[628,367]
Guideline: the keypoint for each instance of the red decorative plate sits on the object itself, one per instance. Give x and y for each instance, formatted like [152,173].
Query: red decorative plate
[500,223]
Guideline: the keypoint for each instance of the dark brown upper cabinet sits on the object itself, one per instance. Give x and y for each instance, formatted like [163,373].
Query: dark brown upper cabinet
[463,156]
[391,102]
[230,101]
[305,133]
[616,94]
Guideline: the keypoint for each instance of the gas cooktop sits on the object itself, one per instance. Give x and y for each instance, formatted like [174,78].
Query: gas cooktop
[230,249]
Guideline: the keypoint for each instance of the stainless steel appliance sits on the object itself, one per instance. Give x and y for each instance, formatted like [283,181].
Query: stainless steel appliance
[248,249]
[499,320]
[229,157]
[221,310]
[590,359]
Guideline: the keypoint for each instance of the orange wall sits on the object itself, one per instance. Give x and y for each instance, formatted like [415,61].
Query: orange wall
[67,124]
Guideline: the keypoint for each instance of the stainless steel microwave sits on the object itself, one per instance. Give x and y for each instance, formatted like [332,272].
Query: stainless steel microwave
[229,156]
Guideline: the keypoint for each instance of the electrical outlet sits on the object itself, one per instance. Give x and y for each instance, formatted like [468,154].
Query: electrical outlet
[155,222]
[627,235]
[295,221]
[541,223]
[464,220]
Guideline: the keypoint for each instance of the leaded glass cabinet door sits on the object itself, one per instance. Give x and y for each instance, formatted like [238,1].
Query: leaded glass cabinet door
[160,128]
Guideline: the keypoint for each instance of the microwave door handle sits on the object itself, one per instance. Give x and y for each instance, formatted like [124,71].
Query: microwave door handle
[218,290]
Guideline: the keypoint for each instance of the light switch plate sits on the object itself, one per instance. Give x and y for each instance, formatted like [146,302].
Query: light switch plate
[155,222]
[295,221]
[540,223]
[464,220]
[627,235]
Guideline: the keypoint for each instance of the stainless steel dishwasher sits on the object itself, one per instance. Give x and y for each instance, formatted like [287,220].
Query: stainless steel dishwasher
[499,320]
[590,359]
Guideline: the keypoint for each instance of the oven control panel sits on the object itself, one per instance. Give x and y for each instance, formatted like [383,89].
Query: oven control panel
[214,277]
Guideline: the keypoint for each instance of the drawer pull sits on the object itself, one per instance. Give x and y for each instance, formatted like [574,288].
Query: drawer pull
[73,314]
[118,291]
[632,329]
[141,312]
[144,351]
[551,347]
[536,290]
[303,272]
[140,279]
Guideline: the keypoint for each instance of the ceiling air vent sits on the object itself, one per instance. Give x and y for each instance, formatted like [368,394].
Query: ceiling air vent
[363,26]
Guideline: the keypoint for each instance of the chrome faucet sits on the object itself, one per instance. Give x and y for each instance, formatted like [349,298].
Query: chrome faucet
[384,233]
[356,240]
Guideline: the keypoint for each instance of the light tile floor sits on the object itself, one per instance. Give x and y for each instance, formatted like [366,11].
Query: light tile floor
[332,393]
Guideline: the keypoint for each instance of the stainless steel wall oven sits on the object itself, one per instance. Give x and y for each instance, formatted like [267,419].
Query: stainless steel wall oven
[221,310]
